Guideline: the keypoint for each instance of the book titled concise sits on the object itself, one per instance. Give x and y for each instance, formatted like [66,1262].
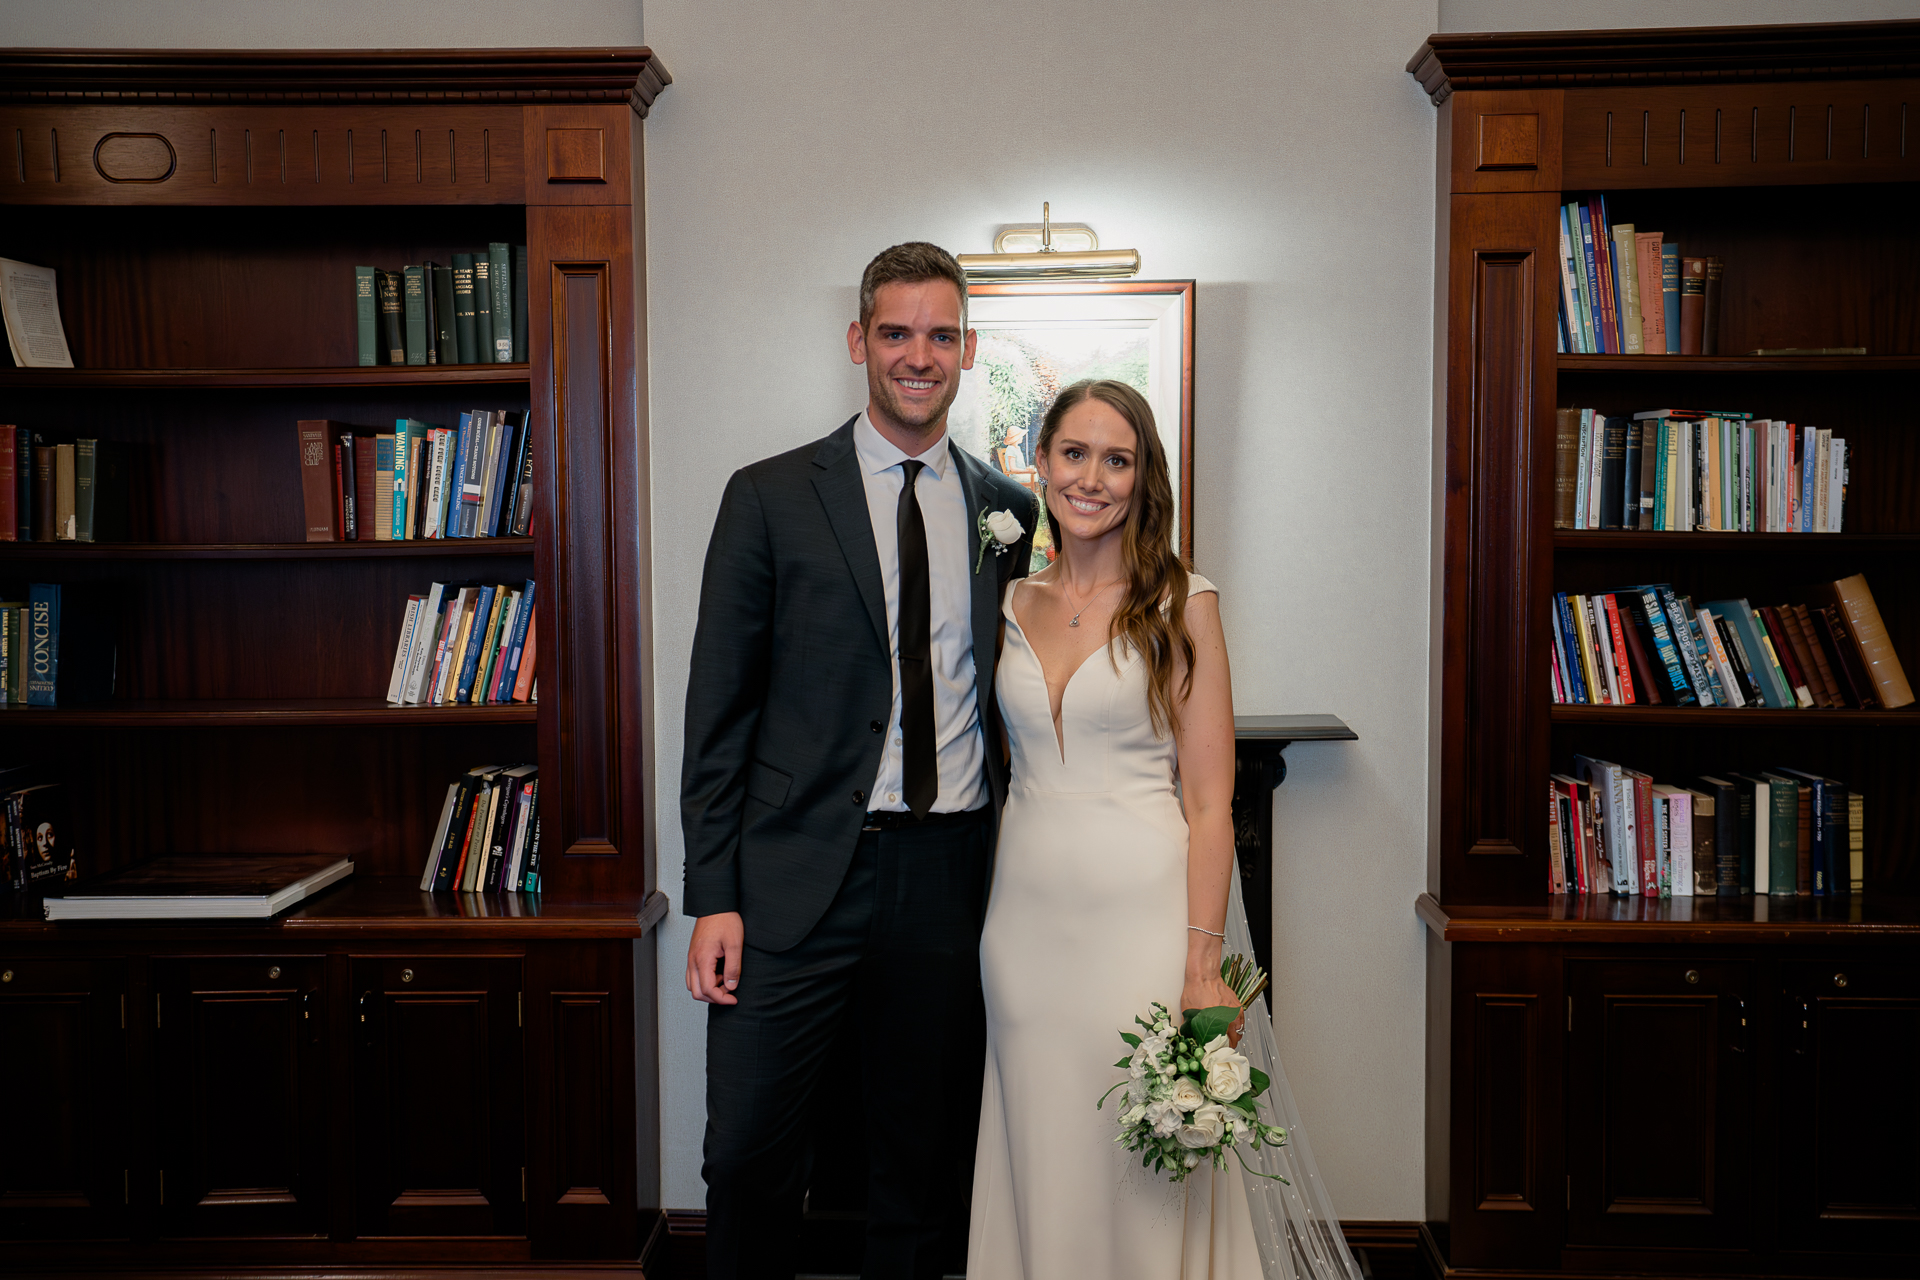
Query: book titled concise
[201,887]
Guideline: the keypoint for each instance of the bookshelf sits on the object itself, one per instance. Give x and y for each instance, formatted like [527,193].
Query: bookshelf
[378,1078]
[1668,1087]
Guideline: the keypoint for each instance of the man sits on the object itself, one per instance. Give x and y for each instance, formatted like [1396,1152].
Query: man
[842,779]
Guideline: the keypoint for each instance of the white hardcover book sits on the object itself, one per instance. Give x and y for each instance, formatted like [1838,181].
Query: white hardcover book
[439,839]
[446,671]
[1625,854]
[423,638]
[403,649]
[1583,461]
[489,456]
[1762,836]
[513,780]
[1662,854]
[1679,841]
[1595,453]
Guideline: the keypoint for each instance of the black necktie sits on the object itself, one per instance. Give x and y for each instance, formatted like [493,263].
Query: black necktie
[919,763]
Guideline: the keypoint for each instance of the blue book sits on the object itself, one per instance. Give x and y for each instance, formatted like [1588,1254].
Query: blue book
[452,525]
[1808,457]
[1649,605]
[1670,294]
[1682,638]
[513,428]
[41,637]
[1662,437]
[1570,645]
[1591,272]
[476,642]
[402,473]
[1704,655]
[517,643]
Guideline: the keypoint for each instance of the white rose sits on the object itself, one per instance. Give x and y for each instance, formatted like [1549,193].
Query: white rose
[1228,1072]
[1005,527]
[1208,1126]
[1164,1117]
[1187,1095]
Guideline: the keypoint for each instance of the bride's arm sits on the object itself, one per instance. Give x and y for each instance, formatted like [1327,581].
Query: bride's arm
[1205,742]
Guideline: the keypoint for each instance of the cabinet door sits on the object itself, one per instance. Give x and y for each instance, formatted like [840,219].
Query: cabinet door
[438,1097]
[241,1100]
[1660,1102]
[1850,1178]
[63,1171]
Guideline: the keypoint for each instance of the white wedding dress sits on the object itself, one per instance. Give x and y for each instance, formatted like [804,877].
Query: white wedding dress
[1086,927]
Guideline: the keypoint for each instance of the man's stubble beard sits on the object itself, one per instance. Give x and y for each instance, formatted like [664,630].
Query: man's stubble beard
[880,388]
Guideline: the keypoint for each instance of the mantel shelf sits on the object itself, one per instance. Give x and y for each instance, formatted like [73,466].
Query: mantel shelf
[464,375]
[1730,717]
[1737,364]
[1680,540]
[242,713]
[412,547]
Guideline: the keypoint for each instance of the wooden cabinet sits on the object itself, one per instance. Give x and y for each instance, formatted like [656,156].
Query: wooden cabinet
[1676,1086]
[63,1056]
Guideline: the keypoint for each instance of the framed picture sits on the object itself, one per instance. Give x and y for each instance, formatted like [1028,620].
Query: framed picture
[1037,338]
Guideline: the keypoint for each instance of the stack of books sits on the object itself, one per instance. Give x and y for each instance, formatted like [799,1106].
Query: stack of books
[1624,291]
[1649,646]
[1710,470]
[473,312]
[466,643]
[489,833]
[418,480]
[63,489]
[1781,831]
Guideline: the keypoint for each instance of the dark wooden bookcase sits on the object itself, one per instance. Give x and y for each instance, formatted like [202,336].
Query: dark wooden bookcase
[380,1077]
[1689,1086]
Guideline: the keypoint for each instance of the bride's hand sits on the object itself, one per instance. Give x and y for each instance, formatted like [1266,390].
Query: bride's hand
[1207,990]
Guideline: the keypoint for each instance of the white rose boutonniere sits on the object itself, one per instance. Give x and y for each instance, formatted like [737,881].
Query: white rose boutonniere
[999,530]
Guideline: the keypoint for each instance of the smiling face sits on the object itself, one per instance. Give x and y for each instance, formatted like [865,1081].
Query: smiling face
[1090,466]
[914,349]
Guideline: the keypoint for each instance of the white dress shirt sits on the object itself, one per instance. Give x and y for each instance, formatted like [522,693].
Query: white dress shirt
[959,744]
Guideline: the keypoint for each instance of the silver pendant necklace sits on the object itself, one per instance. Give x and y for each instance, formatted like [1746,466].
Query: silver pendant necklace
[1075,620]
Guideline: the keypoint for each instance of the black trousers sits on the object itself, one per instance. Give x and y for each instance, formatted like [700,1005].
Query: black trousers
[899,952]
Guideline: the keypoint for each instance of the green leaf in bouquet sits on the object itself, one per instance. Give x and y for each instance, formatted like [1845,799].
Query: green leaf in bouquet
[1130,1038]
[1204,1024]
[1244,1103]
[1125,1062]
[1260,1082]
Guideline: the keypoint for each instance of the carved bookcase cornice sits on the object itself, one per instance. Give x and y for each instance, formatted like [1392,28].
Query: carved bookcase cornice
[1665,56]
[174,77]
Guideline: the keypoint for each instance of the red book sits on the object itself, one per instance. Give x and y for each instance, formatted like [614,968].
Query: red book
[316,482]
[363,490]
[339,495]
[9,511]
[1625,666]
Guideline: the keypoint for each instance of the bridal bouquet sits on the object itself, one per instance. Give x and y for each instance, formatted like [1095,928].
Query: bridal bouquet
[1189,1094]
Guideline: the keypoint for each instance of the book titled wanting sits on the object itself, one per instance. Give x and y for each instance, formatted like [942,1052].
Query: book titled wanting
[201,887]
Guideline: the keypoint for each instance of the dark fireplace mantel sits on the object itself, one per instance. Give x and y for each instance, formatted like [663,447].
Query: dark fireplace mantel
[1259,768]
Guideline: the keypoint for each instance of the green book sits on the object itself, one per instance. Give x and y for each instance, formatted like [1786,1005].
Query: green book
[402,454]
[366,313]
[519,303]
[482,309]
[1783,835]
[85,488]
[446,345]
[500,271]
[413,301]
[463,313]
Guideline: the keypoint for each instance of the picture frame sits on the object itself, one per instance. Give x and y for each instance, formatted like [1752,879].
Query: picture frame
[1035,338]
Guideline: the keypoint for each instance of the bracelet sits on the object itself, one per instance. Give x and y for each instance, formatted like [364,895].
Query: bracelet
[1210,933]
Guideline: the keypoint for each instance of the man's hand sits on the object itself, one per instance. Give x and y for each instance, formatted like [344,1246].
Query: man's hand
[713,957]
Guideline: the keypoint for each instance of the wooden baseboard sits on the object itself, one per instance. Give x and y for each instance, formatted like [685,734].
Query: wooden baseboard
[1391,1248]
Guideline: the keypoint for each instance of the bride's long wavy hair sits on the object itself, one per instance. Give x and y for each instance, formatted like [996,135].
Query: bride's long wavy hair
[1152,617]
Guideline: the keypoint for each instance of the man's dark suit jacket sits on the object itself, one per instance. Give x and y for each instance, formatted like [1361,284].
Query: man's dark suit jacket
[791,688]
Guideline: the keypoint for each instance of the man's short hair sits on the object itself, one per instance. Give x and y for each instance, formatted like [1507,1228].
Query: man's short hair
[910,263]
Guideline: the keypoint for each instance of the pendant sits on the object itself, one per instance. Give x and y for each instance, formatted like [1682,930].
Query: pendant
[1075,622]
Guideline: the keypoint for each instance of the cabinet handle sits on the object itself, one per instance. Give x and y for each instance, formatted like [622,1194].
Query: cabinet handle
[1693,976]
[274,971]
[1840,980]
[406,975]
[363,1004]
[6,975]
[1740,1044]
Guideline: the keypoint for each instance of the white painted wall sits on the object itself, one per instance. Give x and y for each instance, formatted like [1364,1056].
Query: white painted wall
[1279,154]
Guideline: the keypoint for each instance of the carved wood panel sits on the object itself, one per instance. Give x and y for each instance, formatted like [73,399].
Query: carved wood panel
[1743,134]
[63,1160]
[1506,1101]
[262,155]
[1506,141]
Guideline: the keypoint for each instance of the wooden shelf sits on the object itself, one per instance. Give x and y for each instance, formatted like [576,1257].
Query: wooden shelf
[1745,920]
[1677,540]
[413,547]
[465,375]
[1728,717]
[240,712]
[1738,364]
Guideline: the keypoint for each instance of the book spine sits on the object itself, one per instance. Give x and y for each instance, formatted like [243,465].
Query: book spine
[523,675]
[85,487]
[316,481]
[1665,648]
[1717,653]
[43,644]
[1663,476]
[1613,473]
[399,530]
[1620,653]
[523,486]
[470,654]
[1812,492]
[1710,309]
[1876,647]
[9,485]
[1784,830]
[446,347]
[1630,474]
[1649,461]
[439,837]
[519,304]
[1626,260]
[500,275]
[482,308]
[366,316]
[23,470]
[1653,314]
[1591,274]
[64,526]
[1680,842]
[1670,295]
[463,308]
[1856,841]
[414,302]
[1583,461]
[392,324]
[403,649]
[383,487]
[1693,304]
[1683,645]
[533,851]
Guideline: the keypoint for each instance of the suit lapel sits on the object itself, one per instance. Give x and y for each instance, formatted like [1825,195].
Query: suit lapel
[844,494]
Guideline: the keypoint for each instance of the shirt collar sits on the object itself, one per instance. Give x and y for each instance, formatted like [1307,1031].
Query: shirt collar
[877,453]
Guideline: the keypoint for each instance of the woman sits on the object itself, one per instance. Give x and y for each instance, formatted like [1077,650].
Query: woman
[1111,889]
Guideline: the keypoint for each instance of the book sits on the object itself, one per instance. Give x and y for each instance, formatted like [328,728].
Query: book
[1626,258]
[1670,295]
[1646,277]
[366,316]
[1778,872]
[65,526]
[392,325]
[42,644]
[442,347]
[1679,834]
[316,479]
[472,641]
[86,454]
[44,488]
[404,649]
[414,308]
[1856,841]
[500,277]
[30,310]
[1860,616]
[523,678]
[398,528]
[439,837]
[197,887]
[463,308]
[523,495]
[1693,304]
[383,487]
[519,304]
[1613,473]
[40,835]
[1710,309]
[482,308]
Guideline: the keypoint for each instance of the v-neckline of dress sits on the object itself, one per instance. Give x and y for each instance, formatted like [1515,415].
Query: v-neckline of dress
[1059,721]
